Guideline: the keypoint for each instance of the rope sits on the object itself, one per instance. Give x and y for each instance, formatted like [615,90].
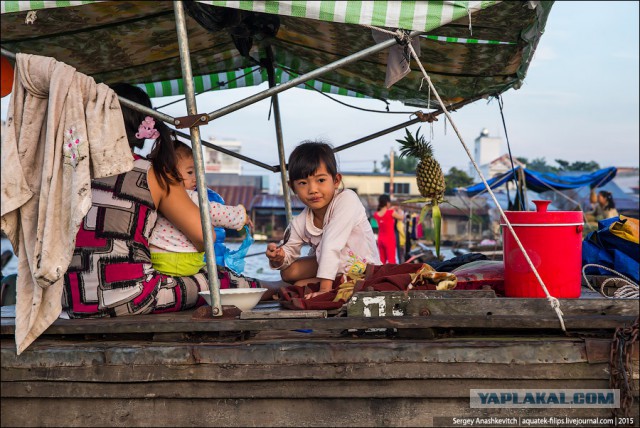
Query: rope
[553,302]
[356,107]
[628,291]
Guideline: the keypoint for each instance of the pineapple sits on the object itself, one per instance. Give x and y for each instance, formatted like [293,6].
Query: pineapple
[429,176]
[428,173]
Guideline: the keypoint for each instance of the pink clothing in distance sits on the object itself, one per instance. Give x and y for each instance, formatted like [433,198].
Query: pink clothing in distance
[165,236]
[386,236]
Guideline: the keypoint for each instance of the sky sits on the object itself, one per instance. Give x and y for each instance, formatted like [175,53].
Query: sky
[579,102]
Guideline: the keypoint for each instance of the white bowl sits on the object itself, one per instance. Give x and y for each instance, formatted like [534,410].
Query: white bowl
[244,299]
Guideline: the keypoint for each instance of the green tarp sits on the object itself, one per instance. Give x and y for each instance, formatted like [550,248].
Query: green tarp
[470,49]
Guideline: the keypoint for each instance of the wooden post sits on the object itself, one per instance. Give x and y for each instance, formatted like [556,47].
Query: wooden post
[523,183]
[391,166]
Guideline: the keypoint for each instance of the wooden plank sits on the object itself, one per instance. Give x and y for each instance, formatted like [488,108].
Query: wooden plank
[282,371]
[257,315]
[304,351]
[599,350]
[365,388]
[487,320]
[398,303]
[329,411]
[395,303]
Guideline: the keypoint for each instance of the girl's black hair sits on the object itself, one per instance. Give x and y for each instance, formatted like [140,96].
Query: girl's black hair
[609,198]
[383,200]
[163,155]
[305,160]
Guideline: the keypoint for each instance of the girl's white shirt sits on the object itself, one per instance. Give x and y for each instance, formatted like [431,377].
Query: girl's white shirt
[345,238]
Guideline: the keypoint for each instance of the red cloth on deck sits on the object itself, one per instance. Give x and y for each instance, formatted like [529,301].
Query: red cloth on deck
[387,277]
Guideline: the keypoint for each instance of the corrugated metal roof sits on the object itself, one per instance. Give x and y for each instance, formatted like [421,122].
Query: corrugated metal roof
[264,201]
[235,195]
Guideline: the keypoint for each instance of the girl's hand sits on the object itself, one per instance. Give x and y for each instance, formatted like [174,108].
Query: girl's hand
[275,255]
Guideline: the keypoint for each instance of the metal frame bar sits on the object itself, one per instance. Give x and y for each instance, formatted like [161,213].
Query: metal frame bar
[230,153]
[271,74]
[196,148]
[433,114]
[303,78]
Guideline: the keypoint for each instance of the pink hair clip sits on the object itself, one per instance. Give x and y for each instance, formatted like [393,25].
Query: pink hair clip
[147,129]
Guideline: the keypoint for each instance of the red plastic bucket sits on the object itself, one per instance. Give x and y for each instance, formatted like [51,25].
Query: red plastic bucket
[553,241]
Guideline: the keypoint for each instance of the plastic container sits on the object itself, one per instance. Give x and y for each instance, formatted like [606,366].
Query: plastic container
[244,299]
[553,241]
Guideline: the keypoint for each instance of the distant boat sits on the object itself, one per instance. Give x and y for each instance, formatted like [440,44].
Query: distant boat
[260,237]
[492,250]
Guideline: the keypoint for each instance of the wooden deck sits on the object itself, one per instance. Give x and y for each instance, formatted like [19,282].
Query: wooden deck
[376,370]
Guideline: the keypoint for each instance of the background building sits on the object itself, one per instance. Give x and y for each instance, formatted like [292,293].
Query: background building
[377,183]
[218,162]
[486,149]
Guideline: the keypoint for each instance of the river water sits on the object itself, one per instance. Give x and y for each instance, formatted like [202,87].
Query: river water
[12,266]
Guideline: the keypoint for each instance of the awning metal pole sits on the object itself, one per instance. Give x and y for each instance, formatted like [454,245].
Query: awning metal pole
[205,217]
[148,111]
[523,180]
[230,153]
[376,135]
[276,116]
[7,53]
[301,79]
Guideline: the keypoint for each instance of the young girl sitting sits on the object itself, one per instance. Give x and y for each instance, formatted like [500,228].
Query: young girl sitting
[171,251]
[334,223]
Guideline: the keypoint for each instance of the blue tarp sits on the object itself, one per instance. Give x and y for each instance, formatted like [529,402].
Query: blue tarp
[543,181]
[606,249]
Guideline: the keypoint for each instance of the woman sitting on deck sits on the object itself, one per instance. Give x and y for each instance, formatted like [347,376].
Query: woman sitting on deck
[111,272]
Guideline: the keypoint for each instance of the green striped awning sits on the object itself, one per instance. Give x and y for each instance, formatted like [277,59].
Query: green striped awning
[466,40]
[409,15]
[470,49]
[239,79]
[21,6]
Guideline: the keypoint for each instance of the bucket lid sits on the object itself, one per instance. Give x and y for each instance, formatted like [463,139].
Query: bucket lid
[543,217]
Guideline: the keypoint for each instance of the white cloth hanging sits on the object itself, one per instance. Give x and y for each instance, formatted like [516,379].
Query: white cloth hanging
[62,130]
